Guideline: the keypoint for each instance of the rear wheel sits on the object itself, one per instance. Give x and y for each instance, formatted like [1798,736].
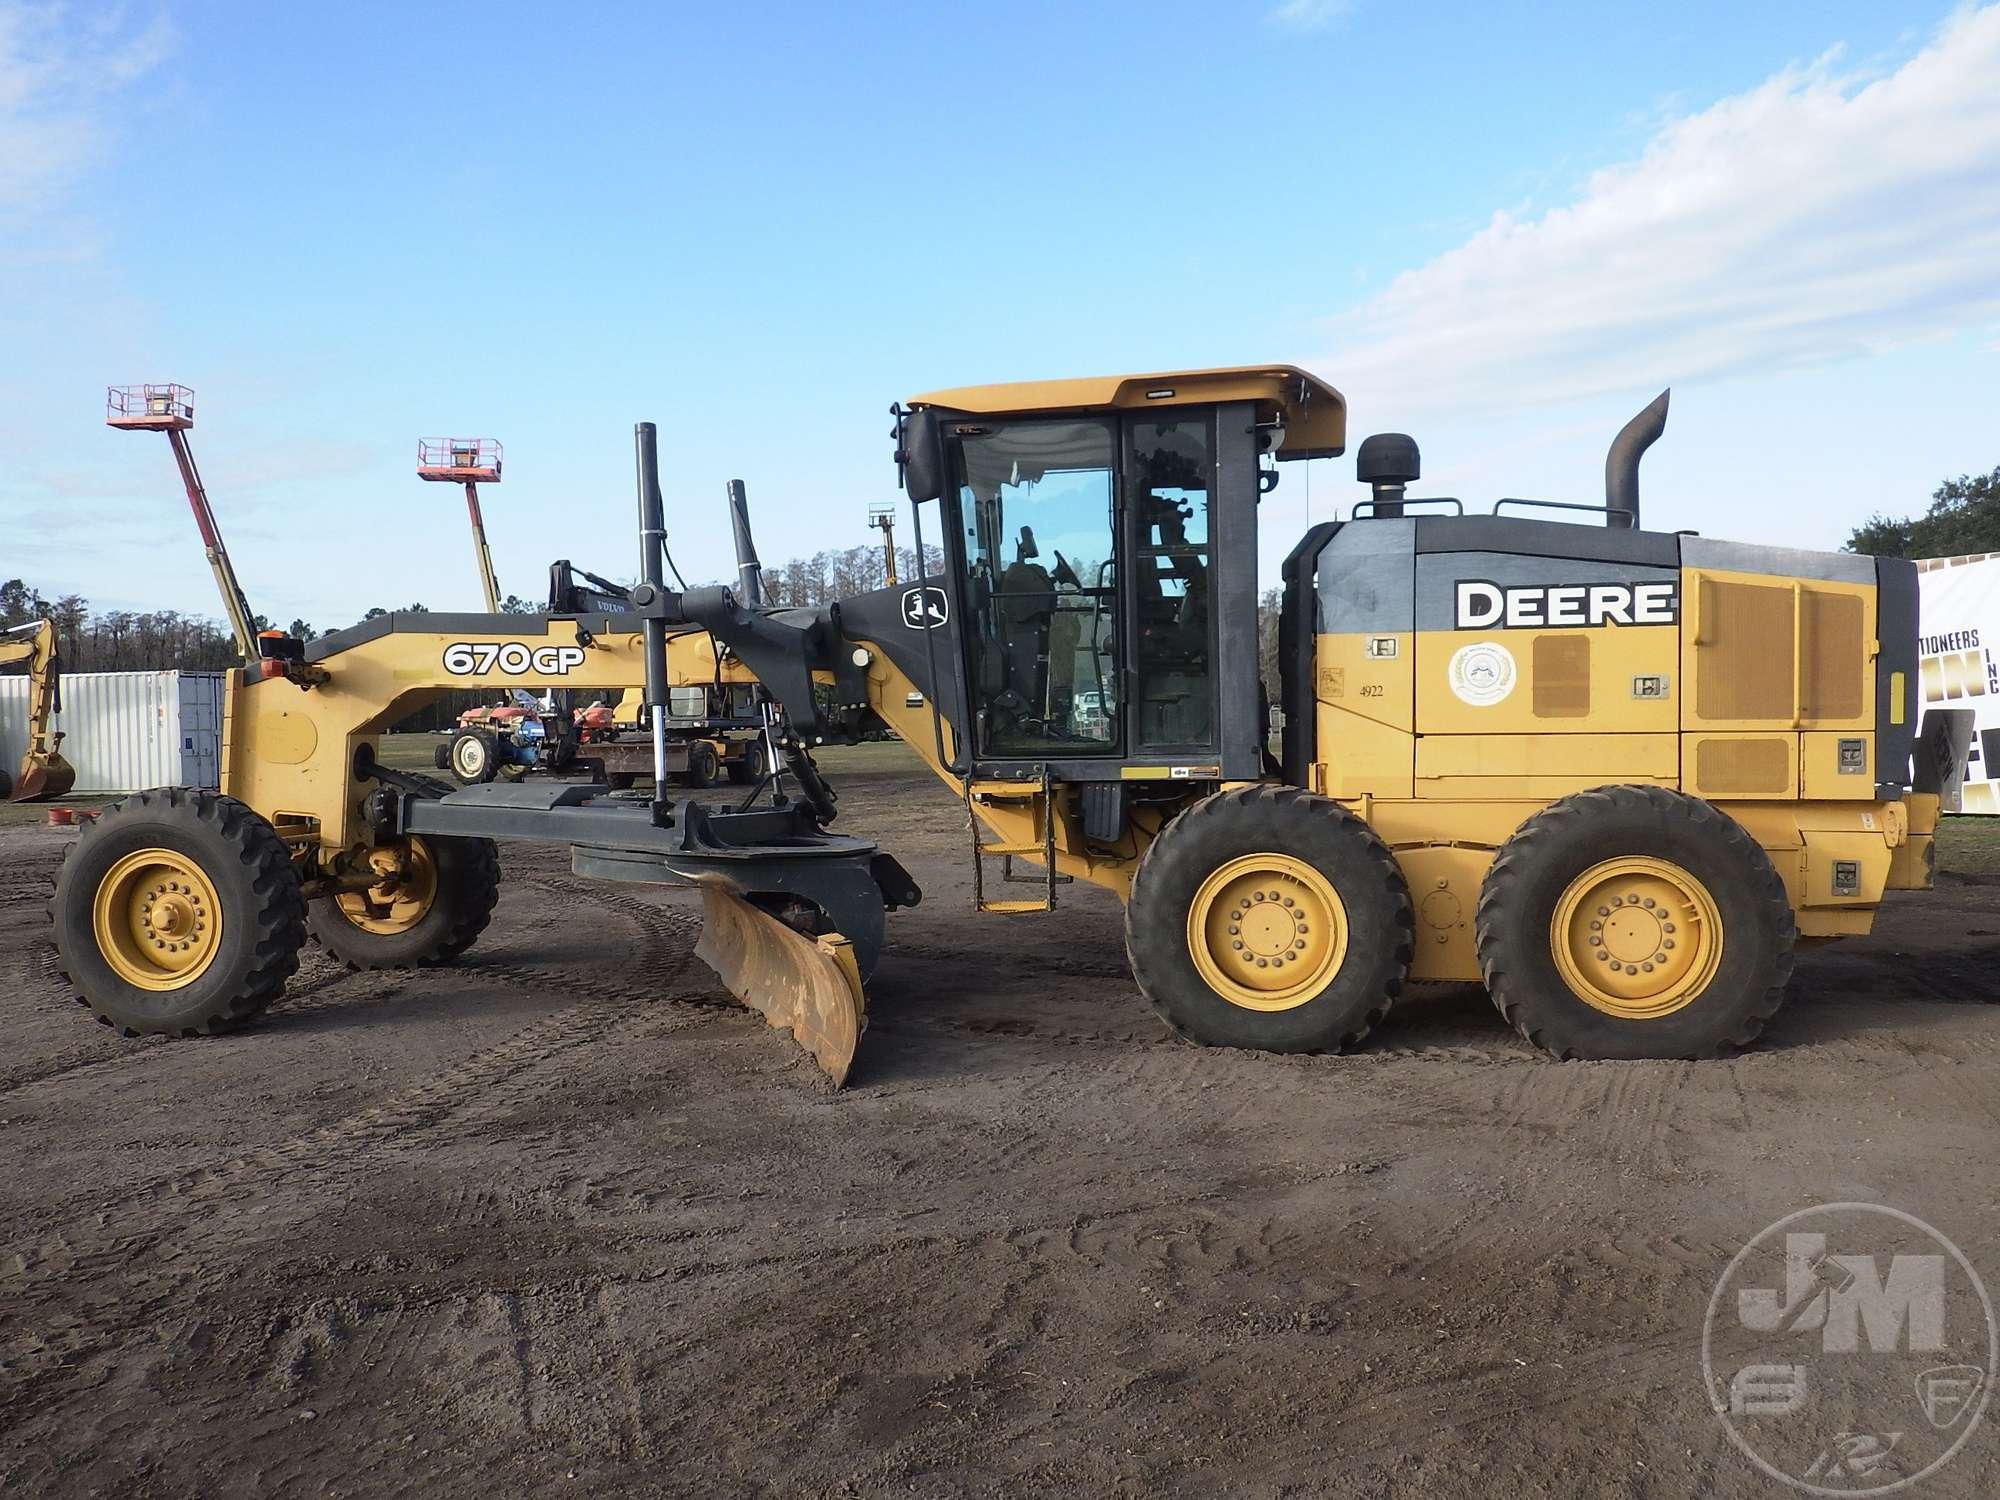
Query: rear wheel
[177,913]
[702,764]
[435,897]
[475,756]
[441,757]
[749,767]
[1270,918]
[1635,922]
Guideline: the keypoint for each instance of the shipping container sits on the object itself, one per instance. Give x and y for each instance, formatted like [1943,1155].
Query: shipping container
[126,731]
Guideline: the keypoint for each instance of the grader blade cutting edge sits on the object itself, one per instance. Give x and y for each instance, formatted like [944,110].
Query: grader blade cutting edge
[809,985]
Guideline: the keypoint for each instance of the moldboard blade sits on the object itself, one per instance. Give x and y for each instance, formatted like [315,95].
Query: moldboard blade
[810,986]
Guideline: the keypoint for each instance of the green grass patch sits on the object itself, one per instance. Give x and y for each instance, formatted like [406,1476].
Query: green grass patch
[1969,846]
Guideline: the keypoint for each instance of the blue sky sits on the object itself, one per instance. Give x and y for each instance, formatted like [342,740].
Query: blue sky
[1498,228]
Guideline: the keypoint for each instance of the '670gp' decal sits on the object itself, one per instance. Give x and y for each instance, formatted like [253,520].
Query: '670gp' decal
[477,658]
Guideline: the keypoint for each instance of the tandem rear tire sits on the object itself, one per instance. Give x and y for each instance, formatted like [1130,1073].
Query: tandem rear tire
[1635,922]
[427,911]
[1270,918]
[177,913]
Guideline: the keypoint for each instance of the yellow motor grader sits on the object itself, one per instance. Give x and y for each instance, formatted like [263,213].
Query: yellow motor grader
[1618,775]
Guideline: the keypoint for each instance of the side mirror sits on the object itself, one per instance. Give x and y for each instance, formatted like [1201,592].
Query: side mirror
[920,454]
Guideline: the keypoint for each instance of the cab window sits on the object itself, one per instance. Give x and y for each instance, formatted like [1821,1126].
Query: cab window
[1037,524]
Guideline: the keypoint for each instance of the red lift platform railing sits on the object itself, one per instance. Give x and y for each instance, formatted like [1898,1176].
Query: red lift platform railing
[150,408]
[170,409]
[470,462]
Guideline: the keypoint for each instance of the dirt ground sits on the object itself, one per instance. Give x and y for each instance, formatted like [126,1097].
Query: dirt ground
[562,1217]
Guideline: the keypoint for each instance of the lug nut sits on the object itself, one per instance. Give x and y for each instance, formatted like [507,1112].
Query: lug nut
[1669,942]
[1234,929]
[1237,944]
[1647,903]
[1670,927]
[1602,955]
[1300,945]
[1604,911]
[1617,967]
[1287,900]
[1249,957]
[1647,967]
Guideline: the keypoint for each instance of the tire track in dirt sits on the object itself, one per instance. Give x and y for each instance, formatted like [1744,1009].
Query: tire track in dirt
[75,1294]
[481,1084]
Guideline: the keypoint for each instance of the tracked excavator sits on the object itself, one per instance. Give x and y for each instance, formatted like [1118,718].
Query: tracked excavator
[43,772]
[1618,775]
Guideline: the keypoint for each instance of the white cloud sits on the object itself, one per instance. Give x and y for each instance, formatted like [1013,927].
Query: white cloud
[1818,216]
[1309,15]
[59,69]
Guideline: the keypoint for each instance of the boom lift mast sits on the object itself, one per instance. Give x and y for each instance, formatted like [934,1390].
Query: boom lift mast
[470,462]
[170,409]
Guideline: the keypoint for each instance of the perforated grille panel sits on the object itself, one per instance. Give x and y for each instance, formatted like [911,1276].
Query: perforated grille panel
[1744,665]
[1562,676]
[1834,660]
[1722,765]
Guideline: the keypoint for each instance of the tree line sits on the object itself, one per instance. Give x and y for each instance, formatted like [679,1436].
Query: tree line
[1964,517]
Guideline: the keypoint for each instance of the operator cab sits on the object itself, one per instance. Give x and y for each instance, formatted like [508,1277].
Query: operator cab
[1100,563]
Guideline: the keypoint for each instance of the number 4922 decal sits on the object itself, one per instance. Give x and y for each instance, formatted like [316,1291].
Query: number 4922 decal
[515,658]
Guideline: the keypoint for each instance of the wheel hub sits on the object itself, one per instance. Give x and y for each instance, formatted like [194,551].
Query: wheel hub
[1267,931]
[156,919]
[402,894]
[1637,938]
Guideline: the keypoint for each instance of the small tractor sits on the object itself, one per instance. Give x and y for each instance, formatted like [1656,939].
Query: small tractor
[1616,775]
[715,723]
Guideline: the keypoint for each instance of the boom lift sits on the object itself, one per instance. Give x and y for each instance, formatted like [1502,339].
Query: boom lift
[1616,774]
[43,772]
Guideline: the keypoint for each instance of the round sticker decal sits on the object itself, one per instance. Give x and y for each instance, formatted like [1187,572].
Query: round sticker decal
[1482,674]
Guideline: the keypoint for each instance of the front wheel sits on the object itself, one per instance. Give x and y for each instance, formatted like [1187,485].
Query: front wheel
[1270,918]
[177,912]
[1634,922]
[435,896]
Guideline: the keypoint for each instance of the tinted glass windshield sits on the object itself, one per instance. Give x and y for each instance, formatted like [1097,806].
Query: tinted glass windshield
[1036,510]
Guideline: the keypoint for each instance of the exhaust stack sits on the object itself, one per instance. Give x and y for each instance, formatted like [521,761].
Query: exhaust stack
[1621,464]
[749,572]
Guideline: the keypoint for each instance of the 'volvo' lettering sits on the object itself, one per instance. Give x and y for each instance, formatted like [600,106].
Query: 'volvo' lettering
[1480,604]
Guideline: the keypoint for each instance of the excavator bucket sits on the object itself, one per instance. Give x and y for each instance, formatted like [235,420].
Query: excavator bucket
[809,985]
[42,776]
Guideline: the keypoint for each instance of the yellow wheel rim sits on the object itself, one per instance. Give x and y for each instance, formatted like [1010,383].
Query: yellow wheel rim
[1636,938]
[400,899]
[156,919]
[1267,932]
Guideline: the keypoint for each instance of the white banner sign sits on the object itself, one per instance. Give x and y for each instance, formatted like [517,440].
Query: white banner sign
[1958,631]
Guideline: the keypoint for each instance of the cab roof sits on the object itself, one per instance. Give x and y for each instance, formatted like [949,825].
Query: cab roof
[1313,412]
